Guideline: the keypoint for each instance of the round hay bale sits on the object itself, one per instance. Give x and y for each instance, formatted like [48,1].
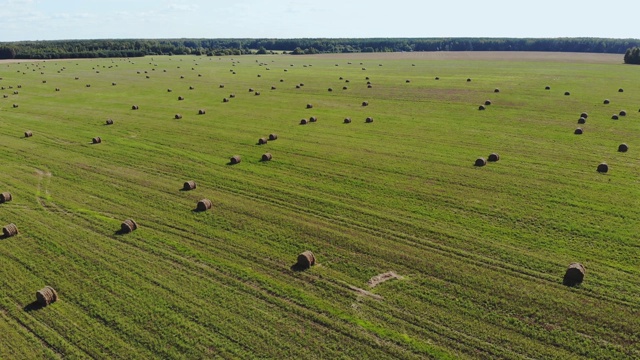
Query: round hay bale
[365,103]
[366,78]
[621,148]
[368,82]
[369,86]
[267,157]
[621,90]
[44,81]
[281,80]
[204,205]
[128,226]
[407,81]
[46,296]
[9,230]
[584,115]
[109,122]
[437,78]
[113,84]
[347,80]
[602,168]
[496,90]
[262,141]
[614,117]
[623,113]
[251,89]
[180,98]
[606,101]
[88,85]
[493,157]
[257,93]
[313,119]
[225,100]
[202,112]
[566,93]
[582,120]
[547,87]
[273,88]
[306,260]
[221,86]
[574,275]
[178,116]
[28,133]
[481,107]
[235,159]
[304,122]
[57,89]
[15,105]
[169,90]
[232,96]
[273,137]
[301,84]
[191,88]
[480,162]
[487,102]
[297,86]
[309,106]
[341,78]
[181,77]
[5,96]
[578,131]
[330,89]
[468,79]
[347,120]
[134,107]
[368,120]
[15,93]
[96,140]
[5,197]
[189,185]
[344,88]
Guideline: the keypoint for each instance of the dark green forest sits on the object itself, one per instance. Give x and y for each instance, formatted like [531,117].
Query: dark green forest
[219,47]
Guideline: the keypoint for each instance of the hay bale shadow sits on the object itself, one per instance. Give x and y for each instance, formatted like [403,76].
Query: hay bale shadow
[34,306]
[298,267]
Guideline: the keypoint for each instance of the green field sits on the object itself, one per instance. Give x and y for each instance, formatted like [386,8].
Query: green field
[481,250]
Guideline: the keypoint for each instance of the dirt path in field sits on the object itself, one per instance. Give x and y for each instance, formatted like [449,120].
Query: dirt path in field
[14,61]
[483,56]
[567,57]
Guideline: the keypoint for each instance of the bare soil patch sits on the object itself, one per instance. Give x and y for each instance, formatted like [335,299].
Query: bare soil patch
[365,292]
[486,56]
[380,278]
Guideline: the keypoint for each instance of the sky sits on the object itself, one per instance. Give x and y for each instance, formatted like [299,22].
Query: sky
[153,19]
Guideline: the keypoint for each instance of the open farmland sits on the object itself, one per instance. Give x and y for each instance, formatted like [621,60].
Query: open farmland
[480,251]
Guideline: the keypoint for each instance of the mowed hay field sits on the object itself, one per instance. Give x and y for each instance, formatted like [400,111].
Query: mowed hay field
[478,253]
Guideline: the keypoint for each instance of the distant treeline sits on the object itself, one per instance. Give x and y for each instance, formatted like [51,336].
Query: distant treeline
[218,47]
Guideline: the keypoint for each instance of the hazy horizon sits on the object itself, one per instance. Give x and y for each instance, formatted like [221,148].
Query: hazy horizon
[146,19]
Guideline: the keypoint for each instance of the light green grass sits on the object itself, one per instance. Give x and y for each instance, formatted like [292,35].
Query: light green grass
[482,250]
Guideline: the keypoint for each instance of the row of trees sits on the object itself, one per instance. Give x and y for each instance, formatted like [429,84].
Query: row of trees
[219,47]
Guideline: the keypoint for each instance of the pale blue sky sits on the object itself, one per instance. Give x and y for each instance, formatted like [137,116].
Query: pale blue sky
[99,19]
